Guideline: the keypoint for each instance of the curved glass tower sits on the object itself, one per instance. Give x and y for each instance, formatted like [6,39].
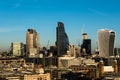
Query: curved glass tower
[106,40]
[62,39]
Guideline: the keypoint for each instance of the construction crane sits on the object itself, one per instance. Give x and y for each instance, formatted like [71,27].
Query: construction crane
[46,48]
[10,51]
[48,44]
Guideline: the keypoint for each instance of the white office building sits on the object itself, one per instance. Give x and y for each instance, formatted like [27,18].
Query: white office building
[17,48]
[106,40]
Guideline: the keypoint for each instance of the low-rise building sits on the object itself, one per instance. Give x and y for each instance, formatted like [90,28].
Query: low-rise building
[37,77]
[65,62]
[90,71]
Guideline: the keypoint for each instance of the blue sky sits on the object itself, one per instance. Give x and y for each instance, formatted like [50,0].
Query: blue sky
[16,16]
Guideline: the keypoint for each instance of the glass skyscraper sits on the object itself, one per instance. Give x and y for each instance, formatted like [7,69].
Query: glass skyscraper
[86,45]
[62,39]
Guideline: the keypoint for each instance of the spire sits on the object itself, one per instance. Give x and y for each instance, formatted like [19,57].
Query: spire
[84,35]
[83,28]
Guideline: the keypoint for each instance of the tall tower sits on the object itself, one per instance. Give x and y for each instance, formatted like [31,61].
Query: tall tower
[32,40]
[62,39]
[106,39]
[86,45]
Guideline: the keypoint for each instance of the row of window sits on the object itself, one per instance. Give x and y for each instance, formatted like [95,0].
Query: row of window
[10,61]
[79,68]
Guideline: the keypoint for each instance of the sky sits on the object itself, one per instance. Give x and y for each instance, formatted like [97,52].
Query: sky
[16,16]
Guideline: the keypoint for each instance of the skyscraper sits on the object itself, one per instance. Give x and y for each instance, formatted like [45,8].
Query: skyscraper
[106,40]
[86,45]
[62,40]
[32,40]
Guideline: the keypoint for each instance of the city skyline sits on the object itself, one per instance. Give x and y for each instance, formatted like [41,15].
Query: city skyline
[77,15]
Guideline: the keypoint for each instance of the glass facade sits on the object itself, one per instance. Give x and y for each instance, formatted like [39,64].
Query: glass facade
[62,39]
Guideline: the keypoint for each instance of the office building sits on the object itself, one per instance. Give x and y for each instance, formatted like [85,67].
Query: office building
[32,40]
[12,61]
[117,51]
[106,40]
[86,45]
[62,39]
[89,71]
[32,52]
[77,50]
[56,73]
[17,48]
[37,77]
[53,49]
[71,52]
[66,62]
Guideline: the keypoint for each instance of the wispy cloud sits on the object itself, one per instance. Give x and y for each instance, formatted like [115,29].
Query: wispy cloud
[16,5]
[96,12]
[5,30]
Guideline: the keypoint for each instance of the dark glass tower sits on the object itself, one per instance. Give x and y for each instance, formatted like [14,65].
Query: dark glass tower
[87,46]
[62,40]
